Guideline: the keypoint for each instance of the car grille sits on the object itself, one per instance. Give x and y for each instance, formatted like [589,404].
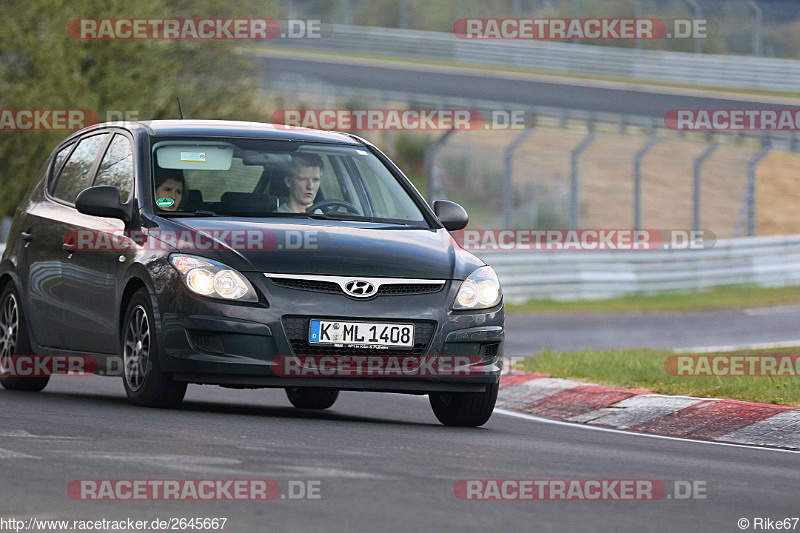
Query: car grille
[384,290]
[296,328]
[307,285]
[409,288]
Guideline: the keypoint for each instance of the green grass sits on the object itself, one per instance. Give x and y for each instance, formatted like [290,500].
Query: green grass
[644,370]
[734,297]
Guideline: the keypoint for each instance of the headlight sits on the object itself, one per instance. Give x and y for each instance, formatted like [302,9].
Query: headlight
[210,278]
[480,290]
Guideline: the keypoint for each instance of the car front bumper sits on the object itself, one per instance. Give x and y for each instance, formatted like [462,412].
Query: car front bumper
[211,341]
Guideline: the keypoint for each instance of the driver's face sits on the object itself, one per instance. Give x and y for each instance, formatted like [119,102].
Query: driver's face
[303,186]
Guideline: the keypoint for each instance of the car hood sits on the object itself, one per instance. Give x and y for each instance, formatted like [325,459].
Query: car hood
[325,248]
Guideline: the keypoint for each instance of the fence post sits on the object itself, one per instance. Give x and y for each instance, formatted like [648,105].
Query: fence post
[403,23]
[758,32]
[574,184]
[508,185]
[433,187]
[637,177]
[698,165]
[750,193]
[637,14]
[698,14]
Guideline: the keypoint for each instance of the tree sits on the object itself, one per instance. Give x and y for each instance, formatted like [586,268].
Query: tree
[42,67]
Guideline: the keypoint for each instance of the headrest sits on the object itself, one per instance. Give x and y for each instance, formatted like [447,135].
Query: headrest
[246,202]
[193,200]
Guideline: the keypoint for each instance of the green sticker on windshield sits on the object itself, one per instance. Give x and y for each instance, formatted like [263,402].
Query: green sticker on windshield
[165,202]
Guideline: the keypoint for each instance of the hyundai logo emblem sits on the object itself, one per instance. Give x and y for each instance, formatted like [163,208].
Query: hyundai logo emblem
[359,288]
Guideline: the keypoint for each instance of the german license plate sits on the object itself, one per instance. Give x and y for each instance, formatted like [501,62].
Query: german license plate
[360,333]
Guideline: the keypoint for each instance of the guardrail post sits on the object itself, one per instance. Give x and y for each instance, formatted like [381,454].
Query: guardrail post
[574,184]
[698,165]
[508,185]
[750,193]
[433,186]
[637,177]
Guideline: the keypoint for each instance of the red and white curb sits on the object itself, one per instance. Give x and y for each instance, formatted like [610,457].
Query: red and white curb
[683,416]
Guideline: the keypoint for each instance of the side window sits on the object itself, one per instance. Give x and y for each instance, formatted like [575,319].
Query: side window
[75,176]
[116,168]
[60,157]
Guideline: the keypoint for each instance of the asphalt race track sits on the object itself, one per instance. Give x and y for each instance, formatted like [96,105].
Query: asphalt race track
[530,333]
[439,81]
[383,461]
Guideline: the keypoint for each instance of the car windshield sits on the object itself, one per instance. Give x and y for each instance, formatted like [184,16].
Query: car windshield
[263,178]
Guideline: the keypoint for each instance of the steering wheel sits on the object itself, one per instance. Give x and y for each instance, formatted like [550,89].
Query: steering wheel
[328,206]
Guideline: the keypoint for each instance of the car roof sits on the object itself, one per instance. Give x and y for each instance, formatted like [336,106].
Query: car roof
[232,128]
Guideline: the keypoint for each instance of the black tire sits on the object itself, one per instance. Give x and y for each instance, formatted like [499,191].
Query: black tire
[145,383]
[466,409]
[311,397]
[14,340]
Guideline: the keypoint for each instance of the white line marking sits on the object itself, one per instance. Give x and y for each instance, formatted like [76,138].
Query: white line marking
[535,418]
[739,347]
[25,434]
[8,454]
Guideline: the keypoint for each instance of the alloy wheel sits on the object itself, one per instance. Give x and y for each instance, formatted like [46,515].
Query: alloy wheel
[137,348]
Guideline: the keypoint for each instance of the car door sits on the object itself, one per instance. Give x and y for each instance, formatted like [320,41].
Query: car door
[39,267]
[53,218]
[90,275]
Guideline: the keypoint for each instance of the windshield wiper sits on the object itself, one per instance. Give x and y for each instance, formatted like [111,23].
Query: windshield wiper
[205,213]
[356,218]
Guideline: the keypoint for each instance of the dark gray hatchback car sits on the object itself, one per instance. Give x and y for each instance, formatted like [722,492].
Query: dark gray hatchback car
[247,255]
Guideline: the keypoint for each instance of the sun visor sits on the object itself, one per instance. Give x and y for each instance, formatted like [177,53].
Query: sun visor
[194,156]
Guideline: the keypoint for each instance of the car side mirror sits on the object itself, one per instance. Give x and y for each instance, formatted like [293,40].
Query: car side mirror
[452,216]
[103,201]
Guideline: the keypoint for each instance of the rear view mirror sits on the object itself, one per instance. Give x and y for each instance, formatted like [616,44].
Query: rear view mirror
[452,216]
[103,201]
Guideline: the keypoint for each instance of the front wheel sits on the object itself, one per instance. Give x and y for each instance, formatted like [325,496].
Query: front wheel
[466,409]
[14,341]
[311,397]
[145,383]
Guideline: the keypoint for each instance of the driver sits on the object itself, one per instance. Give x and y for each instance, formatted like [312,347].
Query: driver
[303,183]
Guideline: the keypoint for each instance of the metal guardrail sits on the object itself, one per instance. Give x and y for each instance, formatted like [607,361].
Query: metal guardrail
[586,275]
[709,70]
